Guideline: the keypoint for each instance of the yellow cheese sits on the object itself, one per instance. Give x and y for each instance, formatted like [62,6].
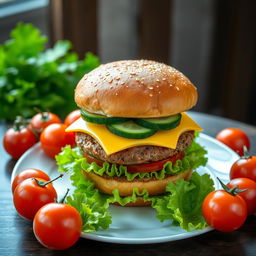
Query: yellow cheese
[112,143]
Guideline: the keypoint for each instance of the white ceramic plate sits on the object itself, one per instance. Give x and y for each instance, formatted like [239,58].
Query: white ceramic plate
[137,225]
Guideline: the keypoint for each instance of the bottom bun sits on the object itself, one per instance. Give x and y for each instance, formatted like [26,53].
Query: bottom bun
[107,184]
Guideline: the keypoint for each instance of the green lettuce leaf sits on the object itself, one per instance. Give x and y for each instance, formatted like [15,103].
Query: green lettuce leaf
[94,215]
[194,157]
[195,153]
[183,202]
[90,203]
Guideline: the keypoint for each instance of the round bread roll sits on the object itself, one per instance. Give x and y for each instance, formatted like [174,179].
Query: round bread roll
[107,184]
[135,88]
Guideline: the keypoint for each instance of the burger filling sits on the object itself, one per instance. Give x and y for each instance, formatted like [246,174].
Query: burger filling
[140,163]
[134,155]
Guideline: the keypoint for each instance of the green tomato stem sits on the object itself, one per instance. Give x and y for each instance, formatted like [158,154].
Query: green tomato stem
[44,115]
[19,123]
[64,197]
[44,183]
[232,191]
[246,153]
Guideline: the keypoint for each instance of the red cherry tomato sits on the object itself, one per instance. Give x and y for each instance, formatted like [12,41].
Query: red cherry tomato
[54,137]
[249,196]
[234,138]
[18,140]
[224,211]
[41,120]
[72,117]
[57,226]
[28,173]
[147,167]
[29,197]
[244,167]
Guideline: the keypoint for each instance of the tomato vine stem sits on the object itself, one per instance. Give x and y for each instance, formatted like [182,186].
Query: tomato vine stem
[232,191]
[44,183]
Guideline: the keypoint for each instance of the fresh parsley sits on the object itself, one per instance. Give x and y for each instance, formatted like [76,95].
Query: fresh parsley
[33,76]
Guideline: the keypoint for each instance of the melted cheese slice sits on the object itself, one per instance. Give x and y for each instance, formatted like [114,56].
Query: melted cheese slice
[112,143]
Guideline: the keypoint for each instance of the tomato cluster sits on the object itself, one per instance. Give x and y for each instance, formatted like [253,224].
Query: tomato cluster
[226,210]
[56,225]
[47,127]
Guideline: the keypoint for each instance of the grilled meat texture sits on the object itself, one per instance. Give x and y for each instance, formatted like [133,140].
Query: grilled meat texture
[134,155]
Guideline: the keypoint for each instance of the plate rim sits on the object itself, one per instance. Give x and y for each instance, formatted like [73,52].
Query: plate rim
[151,240]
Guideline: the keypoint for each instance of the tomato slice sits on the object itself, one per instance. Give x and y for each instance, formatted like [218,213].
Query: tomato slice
[154,166]
[91,159]
[147,167]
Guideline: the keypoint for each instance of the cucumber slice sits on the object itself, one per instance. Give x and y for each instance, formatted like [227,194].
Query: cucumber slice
[100,119]
[161,123]
[130,130]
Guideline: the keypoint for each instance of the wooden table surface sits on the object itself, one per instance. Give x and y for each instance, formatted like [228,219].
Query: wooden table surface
[17,238]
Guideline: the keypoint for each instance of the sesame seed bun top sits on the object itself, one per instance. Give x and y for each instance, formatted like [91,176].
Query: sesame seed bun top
[135,88]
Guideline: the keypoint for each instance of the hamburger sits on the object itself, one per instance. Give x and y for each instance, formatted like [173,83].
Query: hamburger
[134,132]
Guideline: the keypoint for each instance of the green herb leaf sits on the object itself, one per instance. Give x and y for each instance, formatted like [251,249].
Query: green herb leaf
[26,41]
[33,76]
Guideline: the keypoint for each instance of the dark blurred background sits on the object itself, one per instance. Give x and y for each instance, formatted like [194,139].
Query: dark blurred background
[213,42]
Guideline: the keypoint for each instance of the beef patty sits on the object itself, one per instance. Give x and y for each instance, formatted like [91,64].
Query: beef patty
[134,155]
